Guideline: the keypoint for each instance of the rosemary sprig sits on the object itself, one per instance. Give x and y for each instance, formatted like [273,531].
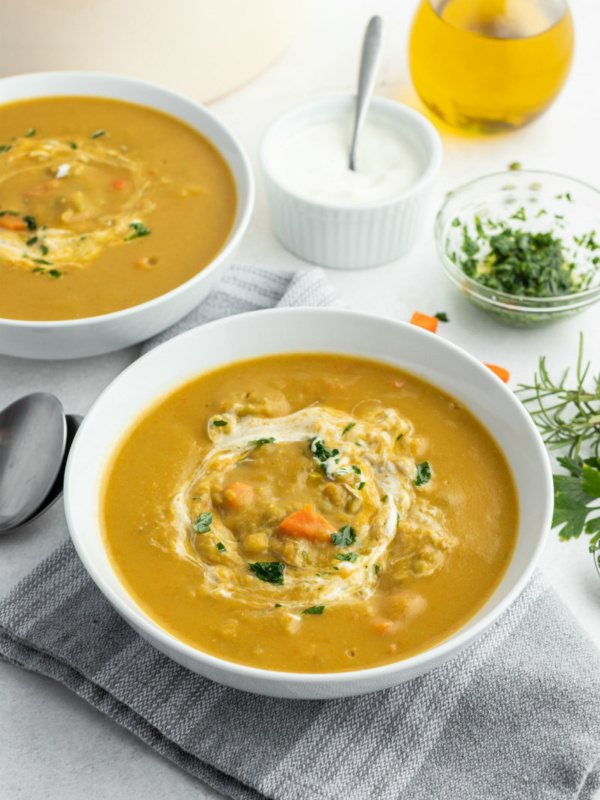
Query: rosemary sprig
[568,417]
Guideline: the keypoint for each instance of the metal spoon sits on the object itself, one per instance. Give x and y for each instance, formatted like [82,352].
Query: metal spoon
[369,66]
[33,433]
[55,493]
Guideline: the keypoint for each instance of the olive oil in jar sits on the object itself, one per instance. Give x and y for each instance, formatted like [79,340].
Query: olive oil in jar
[490,65]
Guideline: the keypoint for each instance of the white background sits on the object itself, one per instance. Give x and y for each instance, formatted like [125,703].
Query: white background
[52,744]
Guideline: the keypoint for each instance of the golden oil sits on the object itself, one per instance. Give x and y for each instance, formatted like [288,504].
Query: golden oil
[490,65]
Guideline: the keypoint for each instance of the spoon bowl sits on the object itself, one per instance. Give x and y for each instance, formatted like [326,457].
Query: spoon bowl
[33,435]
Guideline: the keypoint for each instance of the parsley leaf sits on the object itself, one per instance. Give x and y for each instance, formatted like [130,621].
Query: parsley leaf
[31,223]
[260,442]
[30,132]
[314,610]
[442,316]
[221,547]
[97,134]
[268,571]
[203,523]
[348,427]
[139,230]
[423,474]
[352,557]
[218,423]
[344,537]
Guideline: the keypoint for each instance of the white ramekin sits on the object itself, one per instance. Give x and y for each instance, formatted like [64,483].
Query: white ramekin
[290,330]
[357,236]
[91,336]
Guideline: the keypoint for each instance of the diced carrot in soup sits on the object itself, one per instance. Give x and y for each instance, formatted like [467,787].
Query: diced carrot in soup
[239,495]
[307,523]
[12,223]
[42,188]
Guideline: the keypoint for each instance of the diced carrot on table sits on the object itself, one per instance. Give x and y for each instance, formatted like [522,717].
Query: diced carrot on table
[502,373]
[307,523]
[239,495]
[424,321]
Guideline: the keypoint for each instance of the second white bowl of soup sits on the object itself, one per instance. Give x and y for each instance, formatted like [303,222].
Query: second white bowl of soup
[121,203]
[339,502]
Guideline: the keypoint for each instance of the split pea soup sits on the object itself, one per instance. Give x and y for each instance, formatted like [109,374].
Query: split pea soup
[104,205]
[309,513]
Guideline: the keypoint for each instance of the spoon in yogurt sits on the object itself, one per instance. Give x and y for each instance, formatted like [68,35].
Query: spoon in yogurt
[369,67]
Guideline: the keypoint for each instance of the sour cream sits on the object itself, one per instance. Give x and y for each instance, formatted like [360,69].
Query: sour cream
[314,163]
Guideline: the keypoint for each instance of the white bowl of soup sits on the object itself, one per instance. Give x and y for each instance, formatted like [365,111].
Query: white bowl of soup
[121,203]
[308,503]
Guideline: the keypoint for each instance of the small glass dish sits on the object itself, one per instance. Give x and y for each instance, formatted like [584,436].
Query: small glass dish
[539,202]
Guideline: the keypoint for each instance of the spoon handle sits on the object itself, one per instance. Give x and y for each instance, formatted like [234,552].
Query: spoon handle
[369,66]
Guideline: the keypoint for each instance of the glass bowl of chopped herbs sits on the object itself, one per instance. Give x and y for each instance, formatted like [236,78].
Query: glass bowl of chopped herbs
[522,245]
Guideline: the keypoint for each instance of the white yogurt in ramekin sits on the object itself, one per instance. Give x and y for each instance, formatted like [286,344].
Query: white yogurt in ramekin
[314,162]
[329,215]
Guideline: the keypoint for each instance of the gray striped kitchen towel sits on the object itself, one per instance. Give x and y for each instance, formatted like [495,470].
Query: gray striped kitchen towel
[517,715]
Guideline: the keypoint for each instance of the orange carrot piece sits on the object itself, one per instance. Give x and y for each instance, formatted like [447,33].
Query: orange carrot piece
[120,184]
[383,626]
[12,223]
[239,495]
[424,321]
[307,523]
[42,188]
[502,373]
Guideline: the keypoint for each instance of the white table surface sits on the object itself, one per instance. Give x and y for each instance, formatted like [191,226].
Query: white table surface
[52,744]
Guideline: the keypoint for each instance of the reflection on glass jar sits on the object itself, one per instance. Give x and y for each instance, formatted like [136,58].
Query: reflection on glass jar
[490,65]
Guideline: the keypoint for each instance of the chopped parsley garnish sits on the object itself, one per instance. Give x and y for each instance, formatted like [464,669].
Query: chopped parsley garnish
[376,568]
[361,486]
[384,498]
[442,316]
[218,423]
[269,571]
[520,214]
[31,223]
[356,469]
[344,537]
[30,132]
[348,427]
[423,474]
[260,442]
[55,273]
[400,435]
[203,523]
[314,610]
[139,230]
[221,547]
[41,261]
[44,249]
[352,557]
[515,166]
[97,134]
[9,213]
[73,145]
[4,148]
[304,554]
[277,605]
[323,454]
[31,241]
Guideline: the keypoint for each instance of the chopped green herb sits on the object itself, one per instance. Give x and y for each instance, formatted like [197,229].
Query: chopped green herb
[344,537]
[139,230]
[348,427]
[41,261]
[31,223]
[323,454]
[314,610]
[384,498]
[361,486]
[423,474]
[30,132]
[304,554]
[203,523]
[376,568]
[218,423]
[97,134]
[9,213]
[221,547]
[196,498]
[455,221]
[514,166]
[55,273]
[39,270]
[520,214]
[400,435]
[356,469]
[442,316]
[73,145]
[4,148]
[352,557]
[260,442]
[32,241]
[269,571]
[44,249]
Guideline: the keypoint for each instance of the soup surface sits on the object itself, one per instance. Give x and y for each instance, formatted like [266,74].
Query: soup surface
[310,513]
[103,205]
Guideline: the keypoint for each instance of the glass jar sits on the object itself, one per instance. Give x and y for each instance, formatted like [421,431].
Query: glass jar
[490,65]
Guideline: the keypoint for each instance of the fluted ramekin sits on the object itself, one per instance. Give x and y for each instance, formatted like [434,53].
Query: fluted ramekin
[358,235]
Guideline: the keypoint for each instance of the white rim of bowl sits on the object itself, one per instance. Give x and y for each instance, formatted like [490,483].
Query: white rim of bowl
[234,237]
[505,300]
[447,646]
[335,101]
